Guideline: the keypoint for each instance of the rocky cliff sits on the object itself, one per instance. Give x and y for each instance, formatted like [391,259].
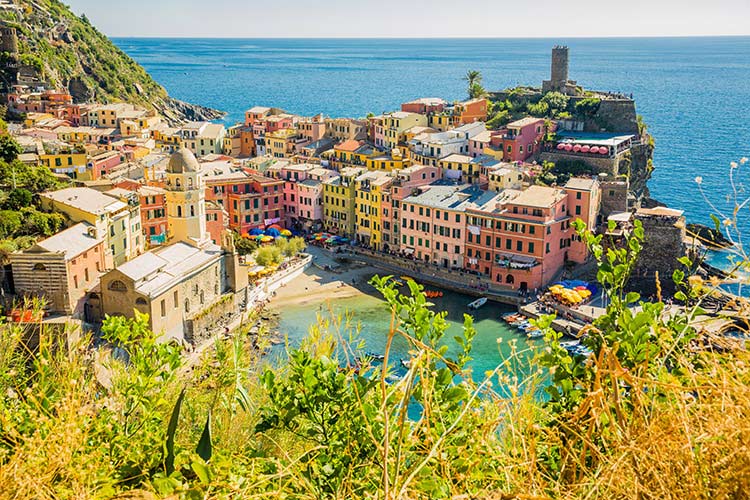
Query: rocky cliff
[55,46]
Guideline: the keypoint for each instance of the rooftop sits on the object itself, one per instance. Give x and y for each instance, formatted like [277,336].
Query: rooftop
[538,197]
[581,183]
[157,271]
[72,241]
[450,197]
[86,199]
[349,145]
[523,122]
[457,158]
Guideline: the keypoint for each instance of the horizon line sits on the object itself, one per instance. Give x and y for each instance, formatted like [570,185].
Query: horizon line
[579,37]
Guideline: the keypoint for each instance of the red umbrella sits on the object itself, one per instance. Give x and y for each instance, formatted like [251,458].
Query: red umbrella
[585,149]
[603,151]
[568,147]
[560,145]
[594,149]
[576,148]
[275,226]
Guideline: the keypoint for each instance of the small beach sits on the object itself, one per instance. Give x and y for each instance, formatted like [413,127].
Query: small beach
[325,280]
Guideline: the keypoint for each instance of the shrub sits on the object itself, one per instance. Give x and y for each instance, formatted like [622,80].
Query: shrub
[268,255]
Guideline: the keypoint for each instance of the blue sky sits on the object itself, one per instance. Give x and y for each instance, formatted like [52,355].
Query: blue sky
[416,18]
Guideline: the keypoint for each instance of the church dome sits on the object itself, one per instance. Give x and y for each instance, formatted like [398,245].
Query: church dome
[183,161]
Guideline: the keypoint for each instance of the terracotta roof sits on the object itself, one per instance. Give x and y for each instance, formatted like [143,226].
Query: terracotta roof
[349,145]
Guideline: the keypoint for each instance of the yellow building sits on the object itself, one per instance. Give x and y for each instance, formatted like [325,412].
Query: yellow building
[440,122]
[339,202]
[119,221]
[32,119]
[387,163]
[370,188]
[397,123]
[281,144]
[71,163]
[186,198]
[456,166]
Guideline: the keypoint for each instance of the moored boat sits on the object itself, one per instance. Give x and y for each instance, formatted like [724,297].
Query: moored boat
[477,303]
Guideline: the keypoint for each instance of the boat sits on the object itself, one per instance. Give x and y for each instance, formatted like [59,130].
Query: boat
[534,334]
[478,303]
[374,356]
[406,363]
[407,278]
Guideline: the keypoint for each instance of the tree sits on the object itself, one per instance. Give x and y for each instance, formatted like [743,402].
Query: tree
[268,255]
[472,78]
[476,91]
[9,148]
[556,101]
[17,199]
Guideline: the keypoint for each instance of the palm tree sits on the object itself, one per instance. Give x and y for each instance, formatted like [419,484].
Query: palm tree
[473,79]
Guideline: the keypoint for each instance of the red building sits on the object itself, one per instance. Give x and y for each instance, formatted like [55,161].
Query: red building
[153,203]
[250,199]
[424,106]
[520,139]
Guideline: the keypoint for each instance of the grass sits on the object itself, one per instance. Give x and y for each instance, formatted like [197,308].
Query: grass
[679,437]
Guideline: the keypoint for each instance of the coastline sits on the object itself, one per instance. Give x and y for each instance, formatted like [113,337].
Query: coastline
[318,284]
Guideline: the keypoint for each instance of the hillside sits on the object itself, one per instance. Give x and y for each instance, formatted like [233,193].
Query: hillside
[56,46]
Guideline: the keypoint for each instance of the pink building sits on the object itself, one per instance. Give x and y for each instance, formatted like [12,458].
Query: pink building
[303,195]
[424,106]
[478,143]
[405,181]
[584,202]
[521,139]
[433,223]
[520,239]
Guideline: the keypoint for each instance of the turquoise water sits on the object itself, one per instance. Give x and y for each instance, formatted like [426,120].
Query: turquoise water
[371,319]
[693,92]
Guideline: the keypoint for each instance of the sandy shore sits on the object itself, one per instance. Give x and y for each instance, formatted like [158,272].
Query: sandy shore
[316,285]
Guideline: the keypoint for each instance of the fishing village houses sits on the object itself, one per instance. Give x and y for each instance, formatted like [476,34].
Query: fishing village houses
[153,207]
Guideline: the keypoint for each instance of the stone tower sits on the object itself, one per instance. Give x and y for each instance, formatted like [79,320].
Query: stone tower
[186,199]
[559,72]
[8,40]
[559,81]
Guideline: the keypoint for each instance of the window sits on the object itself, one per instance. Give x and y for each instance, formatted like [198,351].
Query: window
[578,209]
[531,247]
[519,246]
[578,195]
[175,298]
[118,286]
[163,308]
[508,244]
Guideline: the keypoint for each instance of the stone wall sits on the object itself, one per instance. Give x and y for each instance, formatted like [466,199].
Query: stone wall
[598,165]
[200,326]
[663,244]
[614,197]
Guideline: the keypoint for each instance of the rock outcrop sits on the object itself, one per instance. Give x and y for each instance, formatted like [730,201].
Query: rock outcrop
[43,42]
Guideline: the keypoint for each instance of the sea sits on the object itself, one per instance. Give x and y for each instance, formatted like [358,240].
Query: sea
[694,94]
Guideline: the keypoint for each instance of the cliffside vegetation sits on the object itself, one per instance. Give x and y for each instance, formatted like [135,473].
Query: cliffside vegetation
[66,50]
[21,221]
[647,416]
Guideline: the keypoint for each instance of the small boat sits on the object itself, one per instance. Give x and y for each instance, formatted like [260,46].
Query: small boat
[374,356]
[406,363]
[478,303]
[534,334]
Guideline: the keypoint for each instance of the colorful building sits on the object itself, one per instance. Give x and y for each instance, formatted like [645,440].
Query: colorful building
[62,268]
[520,239]
[433,222]
[520,139]
[339,198]
[372,192]
[119,222]
[396,123]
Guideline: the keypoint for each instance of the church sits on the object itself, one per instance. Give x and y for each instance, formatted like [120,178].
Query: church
[188,284]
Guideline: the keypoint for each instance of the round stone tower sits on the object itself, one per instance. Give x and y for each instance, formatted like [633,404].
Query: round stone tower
[559,64]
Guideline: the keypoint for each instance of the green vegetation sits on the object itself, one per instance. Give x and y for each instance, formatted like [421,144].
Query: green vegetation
[269,255]
[647,416]
[68,51]
[21,221]
[474,87]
